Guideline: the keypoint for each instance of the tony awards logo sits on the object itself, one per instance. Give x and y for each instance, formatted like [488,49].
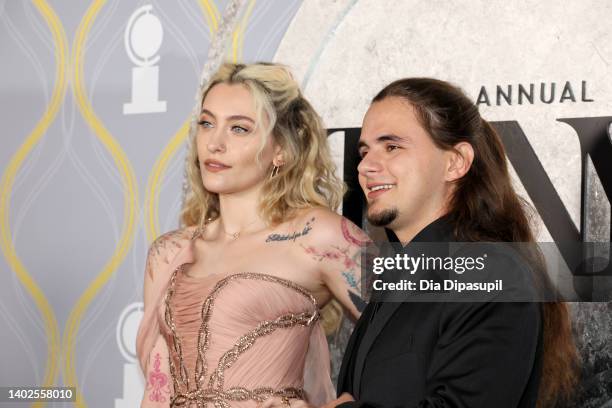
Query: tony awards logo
[127,328]
[143,38]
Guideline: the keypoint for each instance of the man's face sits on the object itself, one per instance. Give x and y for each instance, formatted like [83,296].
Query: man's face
[402,172]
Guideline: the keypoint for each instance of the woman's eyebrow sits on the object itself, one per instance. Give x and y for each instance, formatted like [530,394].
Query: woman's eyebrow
[240,117]
[231,117]
[207,112]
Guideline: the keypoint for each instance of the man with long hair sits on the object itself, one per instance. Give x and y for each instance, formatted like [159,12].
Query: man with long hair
[433,170]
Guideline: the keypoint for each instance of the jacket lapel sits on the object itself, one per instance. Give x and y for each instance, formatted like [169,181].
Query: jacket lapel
[440,230]
[380,320]
[350,348]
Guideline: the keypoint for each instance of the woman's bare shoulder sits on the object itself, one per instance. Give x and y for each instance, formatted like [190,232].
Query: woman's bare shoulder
[166,246]
[330,227]
[321,214]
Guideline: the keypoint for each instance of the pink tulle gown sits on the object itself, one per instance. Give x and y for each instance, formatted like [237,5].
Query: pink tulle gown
[238,339]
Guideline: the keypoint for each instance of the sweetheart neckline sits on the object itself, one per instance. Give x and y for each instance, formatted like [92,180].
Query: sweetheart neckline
[180,269]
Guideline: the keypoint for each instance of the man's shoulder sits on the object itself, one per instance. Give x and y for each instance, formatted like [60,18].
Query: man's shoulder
[512,255]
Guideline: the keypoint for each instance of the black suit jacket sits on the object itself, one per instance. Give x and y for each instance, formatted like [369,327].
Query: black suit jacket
[472,355]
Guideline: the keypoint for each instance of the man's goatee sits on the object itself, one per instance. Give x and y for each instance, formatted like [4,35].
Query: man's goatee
[383,218]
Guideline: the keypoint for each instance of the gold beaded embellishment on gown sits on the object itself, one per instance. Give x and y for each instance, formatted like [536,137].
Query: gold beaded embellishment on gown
[208,389]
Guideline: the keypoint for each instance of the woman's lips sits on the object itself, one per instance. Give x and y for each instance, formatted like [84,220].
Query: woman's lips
[215,166]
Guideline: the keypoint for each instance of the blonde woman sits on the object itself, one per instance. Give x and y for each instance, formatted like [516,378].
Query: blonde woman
[233,300]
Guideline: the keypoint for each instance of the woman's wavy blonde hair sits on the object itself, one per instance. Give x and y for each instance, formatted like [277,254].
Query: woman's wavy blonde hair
[307,179]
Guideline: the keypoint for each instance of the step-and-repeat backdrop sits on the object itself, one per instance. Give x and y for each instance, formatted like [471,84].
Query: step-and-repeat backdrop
[96,105]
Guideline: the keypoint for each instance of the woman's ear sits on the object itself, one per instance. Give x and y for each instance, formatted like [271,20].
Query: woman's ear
[460,160]
[279,157]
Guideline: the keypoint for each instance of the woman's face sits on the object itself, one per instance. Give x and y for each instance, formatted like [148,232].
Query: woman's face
[228,140]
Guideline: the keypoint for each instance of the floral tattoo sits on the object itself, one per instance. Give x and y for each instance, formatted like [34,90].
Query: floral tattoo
[162,247]
[349,257]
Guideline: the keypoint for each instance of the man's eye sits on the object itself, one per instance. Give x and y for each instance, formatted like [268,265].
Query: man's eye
[205,123]
[239,129]
[391,147]
[363,153]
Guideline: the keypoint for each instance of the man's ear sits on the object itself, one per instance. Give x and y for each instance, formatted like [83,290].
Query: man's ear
[459,161]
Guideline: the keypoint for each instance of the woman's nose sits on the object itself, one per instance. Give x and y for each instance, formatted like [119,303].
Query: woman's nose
[216,142]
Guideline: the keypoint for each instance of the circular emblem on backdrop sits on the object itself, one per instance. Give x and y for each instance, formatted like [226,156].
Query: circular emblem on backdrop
[127,328]
[143,37]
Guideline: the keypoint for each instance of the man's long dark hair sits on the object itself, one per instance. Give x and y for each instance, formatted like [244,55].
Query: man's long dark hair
[485,207]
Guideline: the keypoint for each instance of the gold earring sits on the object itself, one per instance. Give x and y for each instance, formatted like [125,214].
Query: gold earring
[275,171]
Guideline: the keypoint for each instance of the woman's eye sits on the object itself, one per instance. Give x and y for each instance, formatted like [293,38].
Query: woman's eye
[363,153]
[205,123]
[239,129]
